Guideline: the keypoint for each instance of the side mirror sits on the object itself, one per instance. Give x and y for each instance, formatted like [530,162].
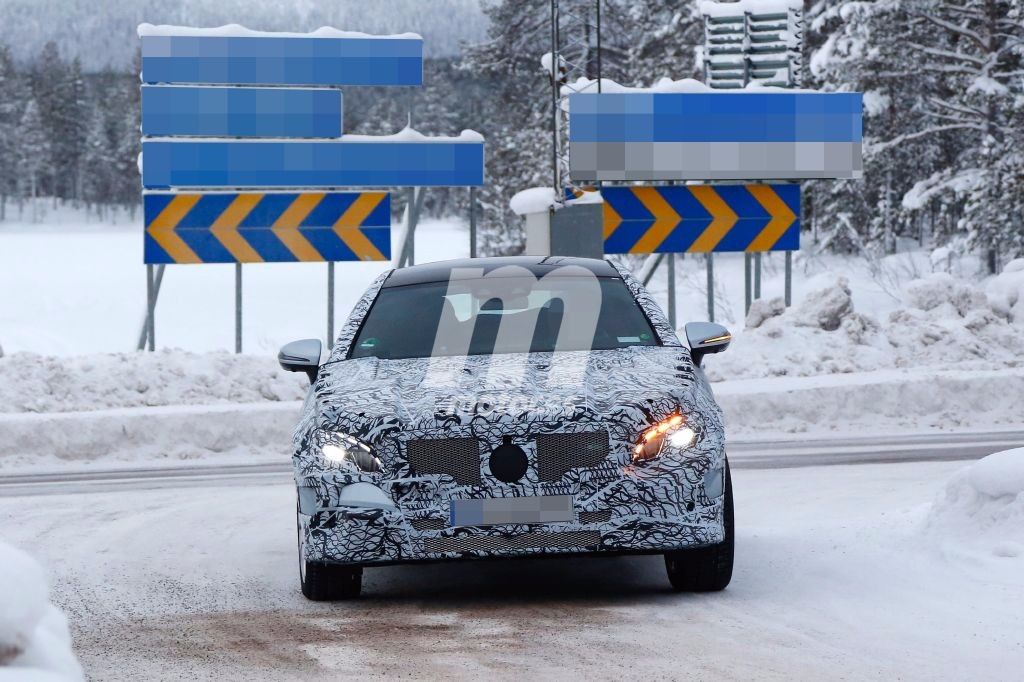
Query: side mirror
[301,356]
[706,337]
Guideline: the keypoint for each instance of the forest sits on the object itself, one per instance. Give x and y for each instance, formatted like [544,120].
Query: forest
[943,86]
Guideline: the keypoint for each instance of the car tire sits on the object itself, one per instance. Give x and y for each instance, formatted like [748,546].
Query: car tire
[705,569]
[322,581]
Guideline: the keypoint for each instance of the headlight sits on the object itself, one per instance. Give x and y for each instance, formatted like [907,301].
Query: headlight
[344,450]
[672,430]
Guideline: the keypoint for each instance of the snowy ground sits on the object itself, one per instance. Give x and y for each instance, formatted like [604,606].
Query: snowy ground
[842,573]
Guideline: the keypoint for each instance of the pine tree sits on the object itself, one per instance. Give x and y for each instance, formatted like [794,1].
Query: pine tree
[33,152]
[10,96]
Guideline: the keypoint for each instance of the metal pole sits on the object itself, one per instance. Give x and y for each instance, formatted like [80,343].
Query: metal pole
[330,304]
[711,287]
[472,222]
[238,307]
[150,307]
[598,46]
[672,289]
[789,278]
[757,275]
[746,283]
[555,181]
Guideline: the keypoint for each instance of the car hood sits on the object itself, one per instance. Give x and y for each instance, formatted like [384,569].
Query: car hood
[371,398]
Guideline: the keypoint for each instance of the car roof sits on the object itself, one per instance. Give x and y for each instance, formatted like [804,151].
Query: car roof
[538,266]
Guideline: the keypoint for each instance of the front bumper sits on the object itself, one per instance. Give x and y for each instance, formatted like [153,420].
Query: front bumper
[628,514]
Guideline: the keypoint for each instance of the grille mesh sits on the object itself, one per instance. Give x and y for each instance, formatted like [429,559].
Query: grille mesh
[429,524]
[596,516]
[494,543]
[557,453]
[457,457]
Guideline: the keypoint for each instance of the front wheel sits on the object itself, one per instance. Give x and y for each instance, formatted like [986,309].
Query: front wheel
[705,569]
[322,581]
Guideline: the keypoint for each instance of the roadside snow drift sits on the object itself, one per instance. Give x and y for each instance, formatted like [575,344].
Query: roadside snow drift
[34,640]
[943,323]
[982,508]
[36,383]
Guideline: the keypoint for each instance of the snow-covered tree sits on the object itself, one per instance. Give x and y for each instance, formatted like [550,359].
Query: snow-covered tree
[10,99]
[33,150]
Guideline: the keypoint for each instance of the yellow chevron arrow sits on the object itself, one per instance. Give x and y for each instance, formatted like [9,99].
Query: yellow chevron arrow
[225,228]
[665,219]
[286,227]
[722,218]
[611,220]
[348,226]
[162,228]
[782,217]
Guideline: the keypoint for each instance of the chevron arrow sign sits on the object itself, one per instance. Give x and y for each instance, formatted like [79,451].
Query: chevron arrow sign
[267,227]
[701,218]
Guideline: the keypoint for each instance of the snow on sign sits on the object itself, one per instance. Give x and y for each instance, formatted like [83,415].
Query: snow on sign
[701,218]
[255,227]
[714,135]
[237,56]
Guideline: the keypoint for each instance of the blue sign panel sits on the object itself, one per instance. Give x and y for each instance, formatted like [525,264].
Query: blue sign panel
[260,227]
[714,135]
[240,112]
[281,60]
[335,163]
[701,218]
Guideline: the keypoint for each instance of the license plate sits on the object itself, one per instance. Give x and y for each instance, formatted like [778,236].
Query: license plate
[495,510]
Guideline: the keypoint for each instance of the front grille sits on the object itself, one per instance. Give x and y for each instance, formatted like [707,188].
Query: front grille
[596,516]
[496,543]
[456,457]
[557,453]
[429,524]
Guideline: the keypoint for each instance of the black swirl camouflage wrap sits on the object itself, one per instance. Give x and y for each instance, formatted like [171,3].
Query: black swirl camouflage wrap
[481,403]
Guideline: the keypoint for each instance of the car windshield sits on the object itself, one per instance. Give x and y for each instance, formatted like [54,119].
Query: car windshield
[489,315]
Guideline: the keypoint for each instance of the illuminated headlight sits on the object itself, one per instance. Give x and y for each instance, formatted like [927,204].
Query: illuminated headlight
[346,451]
[672,430]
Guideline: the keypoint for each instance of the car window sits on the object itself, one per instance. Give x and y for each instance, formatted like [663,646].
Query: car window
[500,315]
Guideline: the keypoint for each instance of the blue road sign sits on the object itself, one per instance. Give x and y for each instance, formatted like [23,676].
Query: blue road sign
[285,59]
[258,227]
[450,162]
[701,218]
[715,135]
[169,110]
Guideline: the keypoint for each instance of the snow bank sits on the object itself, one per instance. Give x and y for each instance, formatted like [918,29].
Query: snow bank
[1006,291]
[943,322]
[237,31]
[245,433]
[982,508]
[34,640]
[36,383]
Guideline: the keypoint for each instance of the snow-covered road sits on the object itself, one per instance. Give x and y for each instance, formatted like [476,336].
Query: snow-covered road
[834,579]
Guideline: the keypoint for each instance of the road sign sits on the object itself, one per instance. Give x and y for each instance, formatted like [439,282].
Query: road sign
[714,135]
[701,218]
[349,161]
[254,58]
[169,110]
[267,227]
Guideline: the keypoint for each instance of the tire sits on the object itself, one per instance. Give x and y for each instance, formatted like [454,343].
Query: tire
[705,569]
[321,581]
